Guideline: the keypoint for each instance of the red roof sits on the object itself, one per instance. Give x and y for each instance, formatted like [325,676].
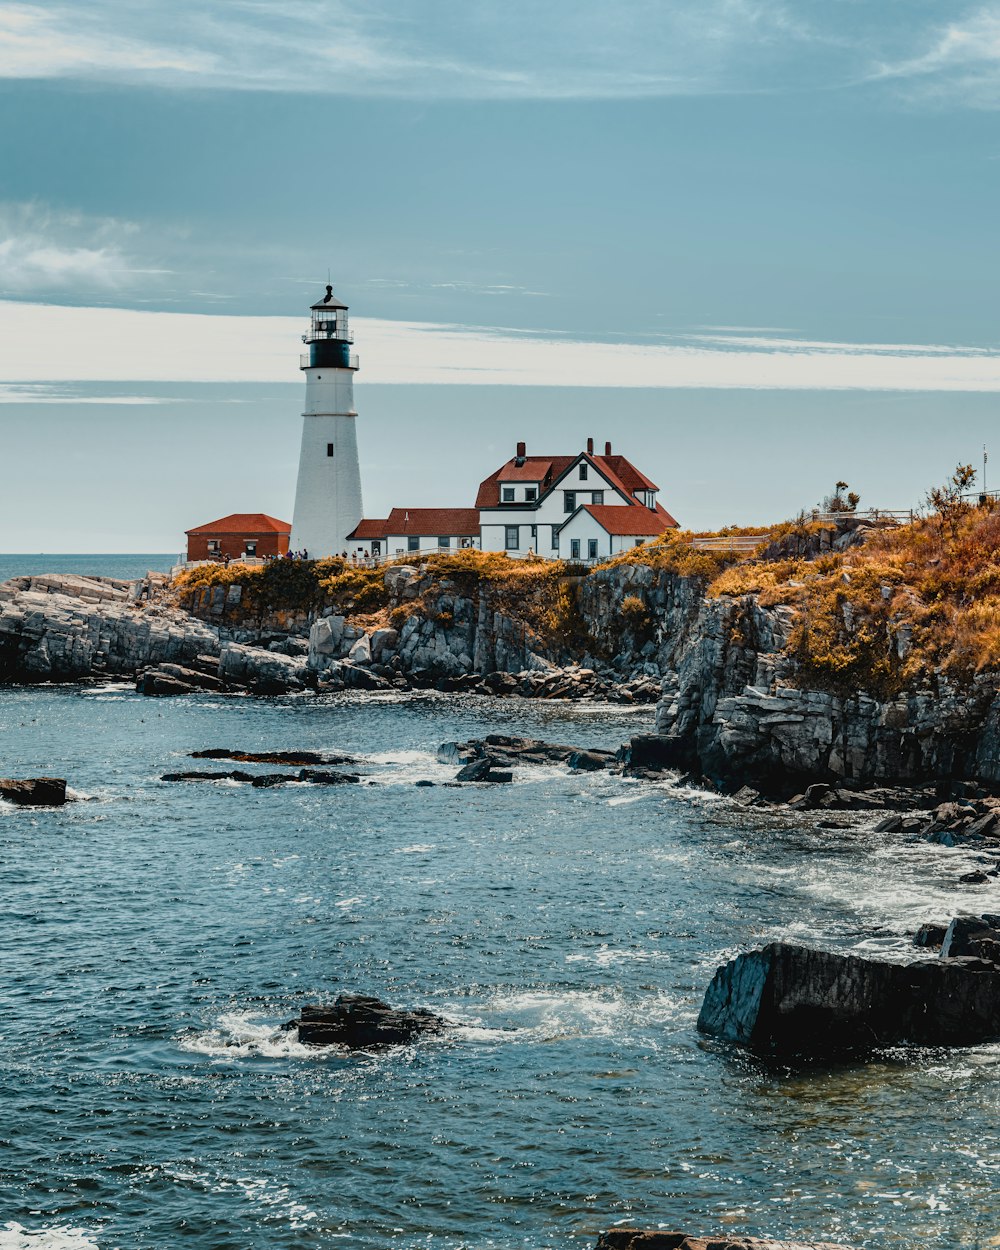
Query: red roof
[629,522]
[429,522]
[244,523]
[621,473]
[533,470]
[369,529]
[543,469]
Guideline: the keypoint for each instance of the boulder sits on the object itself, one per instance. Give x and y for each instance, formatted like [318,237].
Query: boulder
[656,752]
[319,777]
[478,770]
[791,1000]
[266,781]
[972,935]
[363,1023]
[588,761]
[930,935]
[34,791]
[637,1239]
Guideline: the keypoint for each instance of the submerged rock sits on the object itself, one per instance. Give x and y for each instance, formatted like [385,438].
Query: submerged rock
[505,749]
[34,791]
[362,1022]
[300,759]
[792,1000]
[637,1239]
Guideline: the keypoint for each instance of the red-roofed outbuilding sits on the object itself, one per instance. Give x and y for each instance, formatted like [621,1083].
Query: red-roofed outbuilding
[239,535]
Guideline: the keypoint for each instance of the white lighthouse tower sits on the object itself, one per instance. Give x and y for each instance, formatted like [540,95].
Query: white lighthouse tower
[328,491]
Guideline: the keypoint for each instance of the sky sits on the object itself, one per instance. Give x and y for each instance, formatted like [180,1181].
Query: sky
[752,242]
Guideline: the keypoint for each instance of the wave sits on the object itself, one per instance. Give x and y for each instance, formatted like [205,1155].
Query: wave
[14,1236]
[243,1035]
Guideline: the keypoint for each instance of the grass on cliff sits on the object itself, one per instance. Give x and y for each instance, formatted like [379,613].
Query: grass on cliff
[528,591]
[911,601]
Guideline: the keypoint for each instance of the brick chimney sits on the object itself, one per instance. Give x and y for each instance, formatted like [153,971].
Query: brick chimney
[590,446]
[607,449]
[521,451]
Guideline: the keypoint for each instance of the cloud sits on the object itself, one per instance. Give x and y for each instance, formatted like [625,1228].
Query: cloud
[564,49]
[959,63]
[42,250]
[124,345]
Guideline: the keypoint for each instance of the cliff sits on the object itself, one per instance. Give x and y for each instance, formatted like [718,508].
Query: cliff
[838,652]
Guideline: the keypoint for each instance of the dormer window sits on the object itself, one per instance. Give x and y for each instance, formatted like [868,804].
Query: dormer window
[530,494]
[507,494]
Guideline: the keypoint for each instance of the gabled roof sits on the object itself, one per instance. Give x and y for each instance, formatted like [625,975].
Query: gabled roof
[429,522]
[626,522]
[245,523]
[542,469]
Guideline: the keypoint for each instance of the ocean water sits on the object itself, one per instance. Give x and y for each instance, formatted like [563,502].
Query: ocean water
[128,566]
[155,936]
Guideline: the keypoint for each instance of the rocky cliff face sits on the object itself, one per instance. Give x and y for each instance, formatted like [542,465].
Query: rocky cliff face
[738,708]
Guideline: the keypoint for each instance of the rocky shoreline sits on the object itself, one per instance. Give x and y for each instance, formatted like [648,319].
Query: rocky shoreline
[732,708]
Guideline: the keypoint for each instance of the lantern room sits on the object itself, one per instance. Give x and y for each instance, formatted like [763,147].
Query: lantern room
[329,338]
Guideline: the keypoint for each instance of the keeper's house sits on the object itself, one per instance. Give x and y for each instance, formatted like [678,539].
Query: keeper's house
[240,536]
[582,507]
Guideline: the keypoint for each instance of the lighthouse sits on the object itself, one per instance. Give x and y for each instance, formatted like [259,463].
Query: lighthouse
[328,491]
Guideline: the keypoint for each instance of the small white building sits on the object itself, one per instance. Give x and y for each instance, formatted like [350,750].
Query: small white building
[407,531]
[596,531]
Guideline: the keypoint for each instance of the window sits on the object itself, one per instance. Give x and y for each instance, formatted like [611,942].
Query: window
[598,496]
[444,542]
[591,548]
[508,494]
[512,537]
[530,494]
[413,543]
[638,542]
[329,449]
[583,471]
[574,548]
[569,501]
[250,547]
[555,539]
[213,547]
[376,547]
[534,533]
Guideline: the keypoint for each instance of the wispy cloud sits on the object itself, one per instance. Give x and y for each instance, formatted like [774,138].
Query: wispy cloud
[43,251]
[123,345]
[563,49]
[958,62]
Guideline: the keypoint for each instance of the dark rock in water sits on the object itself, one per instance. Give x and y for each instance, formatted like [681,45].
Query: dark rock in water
[176,679]
[930,935]
[478,770]
[746,795]
[978,877]
[234,775]
[323,778]
[363,1023]
[588,761]
[424,782]
[501,776]
[509,750]
[266,781]
[972,935]
[294,759]
[791,1000]
[657,751]
[34,791]
[637,1239]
